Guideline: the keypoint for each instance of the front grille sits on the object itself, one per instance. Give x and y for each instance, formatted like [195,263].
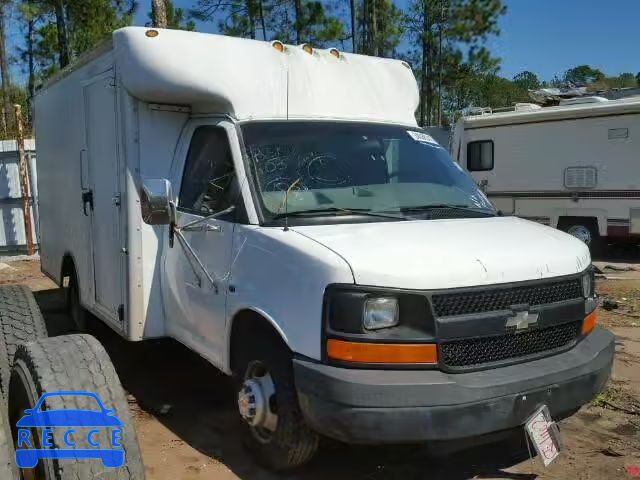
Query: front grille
[491,300]
[477,351]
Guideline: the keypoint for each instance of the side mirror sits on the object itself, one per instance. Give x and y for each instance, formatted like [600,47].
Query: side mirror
[155,201]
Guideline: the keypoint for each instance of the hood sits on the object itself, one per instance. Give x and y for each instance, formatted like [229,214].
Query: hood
[435,254]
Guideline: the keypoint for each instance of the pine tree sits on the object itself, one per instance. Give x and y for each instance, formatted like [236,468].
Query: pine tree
[7,105]
[440,28]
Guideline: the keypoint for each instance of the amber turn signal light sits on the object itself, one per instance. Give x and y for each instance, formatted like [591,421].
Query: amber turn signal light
[589,323]
[389,353]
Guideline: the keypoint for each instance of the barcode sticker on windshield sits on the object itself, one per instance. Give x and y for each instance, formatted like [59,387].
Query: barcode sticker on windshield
[422,137]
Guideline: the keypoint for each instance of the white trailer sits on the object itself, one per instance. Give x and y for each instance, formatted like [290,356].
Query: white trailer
[276,209]
[574,167]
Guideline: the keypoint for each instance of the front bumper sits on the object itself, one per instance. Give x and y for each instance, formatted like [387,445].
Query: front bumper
[403,406]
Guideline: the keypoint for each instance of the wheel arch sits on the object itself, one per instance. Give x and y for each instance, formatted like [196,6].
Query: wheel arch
[253,320]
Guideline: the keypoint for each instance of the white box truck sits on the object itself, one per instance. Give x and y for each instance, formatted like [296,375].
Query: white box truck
[574,167]
[277,210]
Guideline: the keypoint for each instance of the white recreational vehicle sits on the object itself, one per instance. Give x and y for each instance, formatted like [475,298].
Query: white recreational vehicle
[575,167]
[276,209]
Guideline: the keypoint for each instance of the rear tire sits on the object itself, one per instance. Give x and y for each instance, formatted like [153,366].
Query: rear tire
[20,322]
[73,363]
[8,469]
[292,443]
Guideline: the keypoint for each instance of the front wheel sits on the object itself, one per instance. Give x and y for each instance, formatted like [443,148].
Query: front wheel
[276,433]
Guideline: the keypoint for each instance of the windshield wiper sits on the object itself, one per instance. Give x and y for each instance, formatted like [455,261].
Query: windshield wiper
[337,210]
[436,206]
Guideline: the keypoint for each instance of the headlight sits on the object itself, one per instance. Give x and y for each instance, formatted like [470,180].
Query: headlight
[588,287]
[380,312]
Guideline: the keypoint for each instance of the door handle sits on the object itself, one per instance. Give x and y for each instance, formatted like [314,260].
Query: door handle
[116,199]
[87,197]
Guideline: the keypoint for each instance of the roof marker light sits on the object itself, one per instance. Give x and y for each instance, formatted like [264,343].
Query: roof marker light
[152,33]
[278,45]
[307,48]
[335,52]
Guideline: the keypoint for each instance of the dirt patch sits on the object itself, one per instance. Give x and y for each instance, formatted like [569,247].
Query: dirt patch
[185,418]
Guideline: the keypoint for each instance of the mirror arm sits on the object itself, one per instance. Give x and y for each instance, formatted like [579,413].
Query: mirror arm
[193,257]
[192,224]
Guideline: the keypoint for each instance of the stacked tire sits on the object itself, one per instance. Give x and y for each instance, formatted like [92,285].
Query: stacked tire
[31,364]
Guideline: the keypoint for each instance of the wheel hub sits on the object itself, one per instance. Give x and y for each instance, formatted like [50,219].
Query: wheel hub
[581,233]
[254,400]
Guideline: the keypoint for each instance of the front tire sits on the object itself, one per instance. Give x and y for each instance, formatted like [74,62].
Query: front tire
[275,431]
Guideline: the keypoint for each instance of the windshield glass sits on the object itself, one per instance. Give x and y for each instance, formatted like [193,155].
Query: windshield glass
[331,166]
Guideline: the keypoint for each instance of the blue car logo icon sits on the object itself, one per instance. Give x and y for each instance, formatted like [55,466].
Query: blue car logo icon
[68,418]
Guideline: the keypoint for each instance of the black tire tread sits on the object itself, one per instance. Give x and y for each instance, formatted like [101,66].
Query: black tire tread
[80,363]
[8,469]
[294,442]
[20,322]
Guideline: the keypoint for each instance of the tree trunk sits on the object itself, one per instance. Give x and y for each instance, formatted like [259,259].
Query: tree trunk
[31,85]
[298,7]
[250,6]
[365,26]
[423,82]
[63,37]
[4,67]
[374,28]
[427,51]
[430,82]
[159,13]
[262,22]
[354,26]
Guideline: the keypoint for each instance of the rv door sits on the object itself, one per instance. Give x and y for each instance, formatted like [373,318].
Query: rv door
[101,197]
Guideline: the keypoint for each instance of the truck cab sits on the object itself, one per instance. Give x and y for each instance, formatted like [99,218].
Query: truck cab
[277,210]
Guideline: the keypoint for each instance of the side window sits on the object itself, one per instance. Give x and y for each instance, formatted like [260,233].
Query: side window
[480,156]
[207,182]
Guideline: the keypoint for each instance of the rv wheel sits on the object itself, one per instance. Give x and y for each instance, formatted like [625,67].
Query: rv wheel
[79,364]
[584,229]
[20,322]
[276,433]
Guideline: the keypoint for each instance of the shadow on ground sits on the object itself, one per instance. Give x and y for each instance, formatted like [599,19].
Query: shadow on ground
[202,413]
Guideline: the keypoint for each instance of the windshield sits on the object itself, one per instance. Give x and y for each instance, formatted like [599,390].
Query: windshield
[318,167]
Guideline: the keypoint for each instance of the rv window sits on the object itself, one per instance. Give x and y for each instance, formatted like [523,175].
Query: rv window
[208,173]
[480,156]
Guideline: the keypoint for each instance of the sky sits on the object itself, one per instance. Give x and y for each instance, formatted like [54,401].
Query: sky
[546,37]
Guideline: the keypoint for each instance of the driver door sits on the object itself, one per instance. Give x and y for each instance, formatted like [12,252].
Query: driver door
[196,267]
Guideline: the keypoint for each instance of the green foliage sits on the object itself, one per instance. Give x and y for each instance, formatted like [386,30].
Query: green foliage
[291,21]
[382,38]
[582,74]
[526,80]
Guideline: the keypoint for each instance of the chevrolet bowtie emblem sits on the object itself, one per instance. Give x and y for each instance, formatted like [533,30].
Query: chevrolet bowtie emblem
[522,320]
